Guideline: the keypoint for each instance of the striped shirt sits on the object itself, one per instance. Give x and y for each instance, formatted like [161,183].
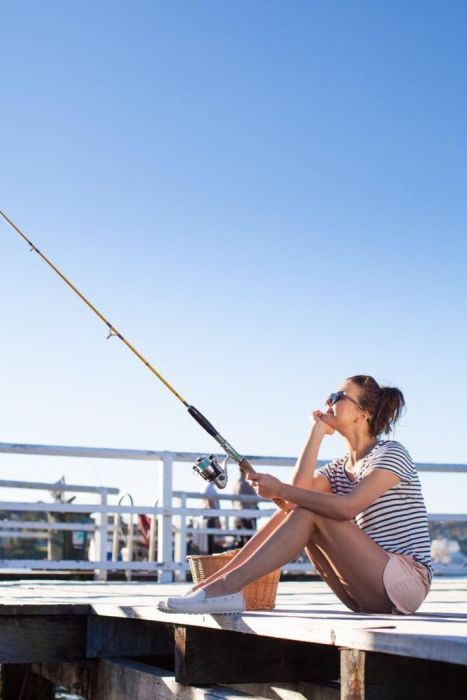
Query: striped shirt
[397,520]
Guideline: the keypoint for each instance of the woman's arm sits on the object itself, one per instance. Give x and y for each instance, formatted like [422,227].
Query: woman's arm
[330,505]
[303,475]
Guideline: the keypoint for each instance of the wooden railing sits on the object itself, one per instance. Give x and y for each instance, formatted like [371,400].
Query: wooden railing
[166,552]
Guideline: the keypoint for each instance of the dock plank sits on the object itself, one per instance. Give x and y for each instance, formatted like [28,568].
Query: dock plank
[306,612]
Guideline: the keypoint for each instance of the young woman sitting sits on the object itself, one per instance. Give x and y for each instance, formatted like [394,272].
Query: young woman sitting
[361,518]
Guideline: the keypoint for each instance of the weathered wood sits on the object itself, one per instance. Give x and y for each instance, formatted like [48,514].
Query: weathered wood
[305,611]
[352,674]
[389,677]
[107,636]
[204,656]
[385,678]
[288,691]
[19,682]
[26,639]
[75,676]
[122,679]
[44,609]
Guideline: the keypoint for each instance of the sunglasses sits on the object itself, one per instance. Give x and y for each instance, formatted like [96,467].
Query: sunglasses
[338,395]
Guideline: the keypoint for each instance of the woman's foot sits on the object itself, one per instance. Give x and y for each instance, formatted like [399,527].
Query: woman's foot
[199,602]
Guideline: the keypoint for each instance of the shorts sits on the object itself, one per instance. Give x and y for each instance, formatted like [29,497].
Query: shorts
[407,583]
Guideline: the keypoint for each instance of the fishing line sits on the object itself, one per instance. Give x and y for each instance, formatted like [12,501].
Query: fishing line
[207,467]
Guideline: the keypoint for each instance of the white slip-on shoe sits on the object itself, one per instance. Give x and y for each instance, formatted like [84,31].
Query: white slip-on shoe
[199,603]
[162,604]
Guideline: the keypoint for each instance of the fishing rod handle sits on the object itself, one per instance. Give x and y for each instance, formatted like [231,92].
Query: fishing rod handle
[246,467]
[202,420]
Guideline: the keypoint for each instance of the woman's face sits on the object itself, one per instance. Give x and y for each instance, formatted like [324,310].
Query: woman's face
[345,415]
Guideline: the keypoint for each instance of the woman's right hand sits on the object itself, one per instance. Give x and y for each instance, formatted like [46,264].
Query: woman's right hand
[319,423]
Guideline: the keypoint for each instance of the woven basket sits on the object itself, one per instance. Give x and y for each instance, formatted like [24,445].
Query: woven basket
[259,594]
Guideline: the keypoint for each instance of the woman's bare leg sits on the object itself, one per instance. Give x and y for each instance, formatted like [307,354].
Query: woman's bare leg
[356,562]
[352,564]
[248,549]
[283,544]
[329,575]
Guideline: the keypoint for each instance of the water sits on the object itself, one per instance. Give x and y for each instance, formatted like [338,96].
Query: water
[63,694]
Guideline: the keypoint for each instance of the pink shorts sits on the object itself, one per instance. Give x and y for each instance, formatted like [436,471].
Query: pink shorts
[407,583]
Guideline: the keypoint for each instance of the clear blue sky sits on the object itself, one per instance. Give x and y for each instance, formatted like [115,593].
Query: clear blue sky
[264,197]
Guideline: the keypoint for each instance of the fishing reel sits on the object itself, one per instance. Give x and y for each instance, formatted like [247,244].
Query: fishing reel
[210,469]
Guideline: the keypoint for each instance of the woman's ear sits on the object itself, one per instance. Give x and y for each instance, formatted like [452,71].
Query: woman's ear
[363,416]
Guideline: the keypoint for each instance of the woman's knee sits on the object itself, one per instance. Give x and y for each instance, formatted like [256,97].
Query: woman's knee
[318,522]
[302,513]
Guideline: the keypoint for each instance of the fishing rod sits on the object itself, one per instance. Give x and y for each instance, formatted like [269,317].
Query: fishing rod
[207,466]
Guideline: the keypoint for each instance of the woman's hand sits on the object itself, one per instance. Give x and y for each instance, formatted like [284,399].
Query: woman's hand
[320,423]
[266,485]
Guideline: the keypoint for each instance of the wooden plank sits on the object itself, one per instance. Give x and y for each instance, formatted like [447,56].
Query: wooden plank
[289,691]
[120,679]
[442,640]
[385,678]
[306,611]
[204,656]
[35,610]
[28,639]
[107,636]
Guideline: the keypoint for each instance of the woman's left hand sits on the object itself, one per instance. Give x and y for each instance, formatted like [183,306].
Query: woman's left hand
[266,485]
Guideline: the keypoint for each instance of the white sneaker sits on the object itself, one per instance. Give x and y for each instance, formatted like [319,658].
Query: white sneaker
[199,603]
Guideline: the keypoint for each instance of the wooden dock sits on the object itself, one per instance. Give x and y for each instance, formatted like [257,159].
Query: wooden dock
[109,641]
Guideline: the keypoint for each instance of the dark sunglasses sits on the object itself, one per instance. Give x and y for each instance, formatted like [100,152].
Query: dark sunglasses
[338,395]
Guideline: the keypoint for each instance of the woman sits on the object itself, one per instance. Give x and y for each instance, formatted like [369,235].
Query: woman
[361,518]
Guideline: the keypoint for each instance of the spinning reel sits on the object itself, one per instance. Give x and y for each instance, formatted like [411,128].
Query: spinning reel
[210,469]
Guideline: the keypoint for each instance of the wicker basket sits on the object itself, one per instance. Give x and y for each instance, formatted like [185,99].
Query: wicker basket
[259,594]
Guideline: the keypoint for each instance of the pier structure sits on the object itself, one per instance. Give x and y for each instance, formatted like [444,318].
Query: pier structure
[108,641]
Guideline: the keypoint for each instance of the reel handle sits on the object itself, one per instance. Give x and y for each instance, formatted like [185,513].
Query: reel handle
[247,468]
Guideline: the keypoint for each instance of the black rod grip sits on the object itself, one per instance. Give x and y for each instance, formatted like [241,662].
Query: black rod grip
[204,423]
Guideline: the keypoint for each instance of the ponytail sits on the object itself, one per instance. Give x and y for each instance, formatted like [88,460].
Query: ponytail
[388,412]
[384,404]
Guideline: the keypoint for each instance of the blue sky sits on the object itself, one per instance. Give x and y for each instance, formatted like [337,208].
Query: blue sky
[264,197]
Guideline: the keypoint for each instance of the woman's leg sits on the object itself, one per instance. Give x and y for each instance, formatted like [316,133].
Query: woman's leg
[284,543]
[356,562]
[351,563]
[327,572]
[248,549]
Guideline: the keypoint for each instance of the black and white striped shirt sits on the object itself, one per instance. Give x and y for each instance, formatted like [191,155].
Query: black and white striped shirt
[397,520]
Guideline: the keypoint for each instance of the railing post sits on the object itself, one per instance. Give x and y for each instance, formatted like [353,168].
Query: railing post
[164,529]
[152,540]
[101,539]
[180,541]
[116,537]
[128,572]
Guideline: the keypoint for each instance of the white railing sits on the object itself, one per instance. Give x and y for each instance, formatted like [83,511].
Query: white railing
[166,553]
